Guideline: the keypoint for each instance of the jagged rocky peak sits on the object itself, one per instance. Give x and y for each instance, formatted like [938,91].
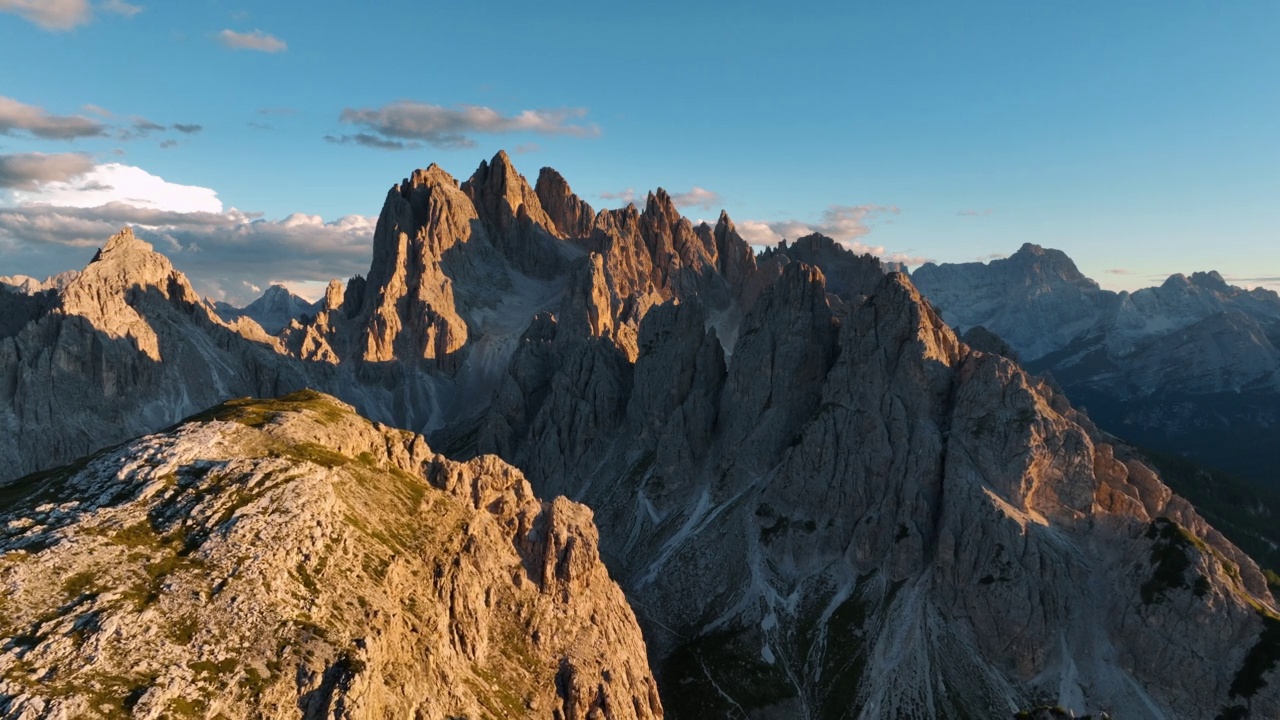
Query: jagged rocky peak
[850,276]
[571,216]
[734,256]
[126,272]
[1211,280]
[1051,262]
[408,309]
[273,311]
[501,195]
[285,558]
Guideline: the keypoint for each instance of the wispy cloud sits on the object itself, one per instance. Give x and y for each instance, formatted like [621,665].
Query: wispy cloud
[843,223]
[168,144]
[142,127]
[256,40]
[188,128]
[975,213]
[697,197]
[627,196]
[16,116]
[277,111]
[50,14]
[526,148]
[119,7]
[27,171]
[452,128]
[1119,271]
[371,140]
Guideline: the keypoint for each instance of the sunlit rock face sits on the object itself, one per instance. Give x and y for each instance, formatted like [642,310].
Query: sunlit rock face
[287,558]
[819,500]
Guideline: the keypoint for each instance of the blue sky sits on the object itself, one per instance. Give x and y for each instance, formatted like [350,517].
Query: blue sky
[1141,138]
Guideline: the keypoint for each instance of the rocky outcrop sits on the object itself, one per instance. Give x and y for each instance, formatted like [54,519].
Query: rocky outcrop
[408,310]
[287,558]
[850,276]
[570,216]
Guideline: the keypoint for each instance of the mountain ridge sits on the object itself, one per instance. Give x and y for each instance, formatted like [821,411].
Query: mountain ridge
[818,499]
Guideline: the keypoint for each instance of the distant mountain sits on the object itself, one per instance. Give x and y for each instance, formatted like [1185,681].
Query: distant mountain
[285,559]
[273,311]
[31,286]
[819,500]
[1189,367]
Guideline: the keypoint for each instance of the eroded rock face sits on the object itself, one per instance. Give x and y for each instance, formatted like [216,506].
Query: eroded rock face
[861,515]
[287,558]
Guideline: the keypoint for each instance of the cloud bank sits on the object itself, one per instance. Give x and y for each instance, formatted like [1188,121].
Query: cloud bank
[19,117]
[453,128]
[53,225]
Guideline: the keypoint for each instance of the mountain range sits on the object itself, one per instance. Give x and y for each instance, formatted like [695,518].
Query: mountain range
[817,499]
[1190,367]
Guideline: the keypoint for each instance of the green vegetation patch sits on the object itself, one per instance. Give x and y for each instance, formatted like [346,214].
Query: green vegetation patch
[1262,659]
[1170,559]
[702,672]
[257,412]
[314,453]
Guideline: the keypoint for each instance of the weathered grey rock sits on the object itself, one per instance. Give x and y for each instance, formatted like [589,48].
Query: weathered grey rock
[287,558]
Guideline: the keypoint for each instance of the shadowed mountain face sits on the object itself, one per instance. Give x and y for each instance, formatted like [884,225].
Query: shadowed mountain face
[1190,367]
[820,502]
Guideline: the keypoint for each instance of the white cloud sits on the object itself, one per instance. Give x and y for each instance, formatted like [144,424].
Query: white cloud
[50,14]
[17,116]
[697,197]
[117,183]
[445,127]
[119,7]
[28,171]
[223,251]
[256,40]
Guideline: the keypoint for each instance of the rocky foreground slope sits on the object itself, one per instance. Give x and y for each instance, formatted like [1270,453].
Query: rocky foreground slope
[820,502]
[289,559]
